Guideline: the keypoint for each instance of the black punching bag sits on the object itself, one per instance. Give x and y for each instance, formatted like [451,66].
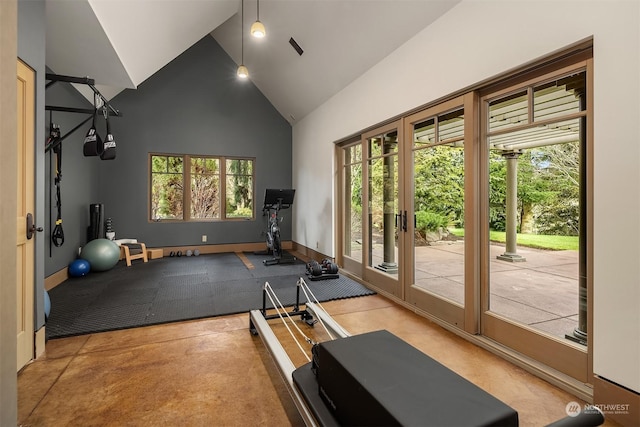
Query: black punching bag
[109,152]
[93,145]
[96,223]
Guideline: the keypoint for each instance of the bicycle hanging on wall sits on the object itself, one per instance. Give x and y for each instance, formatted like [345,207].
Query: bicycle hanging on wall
[274,201]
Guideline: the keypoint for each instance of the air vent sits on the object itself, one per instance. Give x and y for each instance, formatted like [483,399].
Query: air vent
[296,46]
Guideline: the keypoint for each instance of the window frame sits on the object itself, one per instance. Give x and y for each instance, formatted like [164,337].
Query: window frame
[186,193]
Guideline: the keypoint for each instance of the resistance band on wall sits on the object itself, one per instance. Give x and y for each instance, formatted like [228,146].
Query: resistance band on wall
[57,235]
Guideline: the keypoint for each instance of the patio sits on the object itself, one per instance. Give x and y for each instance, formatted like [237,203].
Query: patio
[541,292]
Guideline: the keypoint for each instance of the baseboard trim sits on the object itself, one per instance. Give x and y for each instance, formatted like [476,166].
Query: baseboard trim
[308,253]
[221,248]
[56,278]
[40,341]
[618,403]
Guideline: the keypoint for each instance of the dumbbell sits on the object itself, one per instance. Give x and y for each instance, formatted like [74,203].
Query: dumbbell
[329,267]
[314,268]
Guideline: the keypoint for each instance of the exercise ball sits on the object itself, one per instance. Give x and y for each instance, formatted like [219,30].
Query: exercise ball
[102,254]
[79,268]
[47,305]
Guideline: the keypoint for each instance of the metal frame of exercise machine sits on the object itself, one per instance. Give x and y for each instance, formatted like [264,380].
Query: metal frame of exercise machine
[313,313]
[275,200]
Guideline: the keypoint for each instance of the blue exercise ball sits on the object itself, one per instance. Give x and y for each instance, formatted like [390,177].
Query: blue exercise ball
[79,268]
[47,305]
[102,254]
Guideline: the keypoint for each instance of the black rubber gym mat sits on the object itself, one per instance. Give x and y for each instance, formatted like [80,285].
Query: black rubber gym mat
[179,288]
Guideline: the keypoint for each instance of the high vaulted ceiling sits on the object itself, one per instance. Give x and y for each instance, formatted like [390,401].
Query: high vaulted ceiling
[120,43]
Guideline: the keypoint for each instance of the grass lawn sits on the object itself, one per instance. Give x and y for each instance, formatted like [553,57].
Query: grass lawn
[556,243]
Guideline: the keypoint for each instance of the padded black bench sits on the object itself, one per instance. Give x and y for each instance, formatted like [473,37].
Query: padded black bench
[378,379]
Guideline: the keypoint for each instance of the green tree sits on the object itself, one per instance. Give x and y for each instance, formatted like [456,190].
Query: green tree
[205,184]
[560,215]
[497,191]
[535,188]
[239,188]
[439,182]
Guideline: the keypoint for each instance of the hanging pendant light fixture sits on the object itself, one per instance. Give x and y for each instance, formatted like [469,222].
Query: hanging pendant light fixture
[257,28]
[243,72]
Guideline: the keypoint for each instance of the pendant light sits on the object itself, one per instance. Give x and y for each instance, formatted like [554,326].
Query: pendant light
[257,28]
[243,72]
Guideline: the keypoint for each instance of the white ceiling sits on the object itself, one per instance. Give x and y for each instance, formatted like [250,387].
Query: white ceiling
[120,43]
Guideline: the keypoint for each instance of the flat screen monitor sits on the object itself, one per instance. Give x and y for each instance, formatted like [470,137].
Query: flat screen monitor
[284,198]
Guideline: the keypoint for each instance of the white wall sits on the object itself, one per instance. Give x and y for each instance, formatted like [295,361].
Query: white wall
[477,40]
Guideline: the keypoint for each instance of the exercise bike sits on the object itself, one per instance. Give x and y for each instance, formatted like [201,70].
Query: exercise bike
[274,201]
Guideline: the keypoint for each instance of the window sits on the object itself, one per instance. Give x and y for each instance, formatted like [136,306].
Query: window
[208,181]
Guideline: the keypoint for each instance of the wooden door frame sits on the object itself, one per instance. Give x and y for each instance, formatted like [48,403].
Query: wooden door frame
[565,357]
[26,204]
[8,173]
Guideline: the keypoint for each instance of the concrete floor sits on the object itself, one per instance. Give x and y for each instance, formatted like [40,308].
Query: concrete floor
[213,372]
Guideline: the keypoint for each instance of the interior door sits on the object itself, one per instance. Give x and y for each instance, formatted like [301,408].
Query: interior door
[25,245]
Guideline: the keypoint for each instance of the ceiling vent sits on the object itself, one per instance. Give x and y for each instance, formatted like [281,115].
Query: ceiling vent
[296,46]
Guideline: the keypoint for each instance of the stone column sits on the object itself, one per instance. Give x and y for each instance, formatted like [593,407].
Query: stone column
[510,253]
[389,264]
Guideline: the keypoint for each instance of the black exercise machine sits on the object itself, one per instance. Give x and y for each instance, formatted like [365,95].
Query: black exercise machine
[376,378]
[274,201]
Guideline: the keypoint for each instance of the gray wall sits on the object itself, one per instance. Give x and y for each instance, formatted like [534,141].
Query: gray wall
[194,105]
[79,185]
[31,50]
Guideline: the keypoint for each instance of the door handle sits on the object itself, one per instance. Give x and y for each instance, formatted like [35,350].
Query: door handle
[404,222]
[31,227]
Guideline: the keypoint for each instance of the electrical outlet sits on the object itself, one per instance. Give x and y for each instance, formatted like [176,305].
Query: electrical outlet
[204,238]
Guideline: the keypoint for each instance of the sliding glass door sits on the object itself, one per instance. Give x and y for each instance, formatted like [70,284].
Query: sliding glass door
[476,211]
[382,174]
[534,297]
[434,214]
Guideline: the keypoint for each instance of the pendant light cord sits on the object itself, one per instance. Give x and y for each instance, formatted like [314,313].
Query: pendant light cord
[242,35]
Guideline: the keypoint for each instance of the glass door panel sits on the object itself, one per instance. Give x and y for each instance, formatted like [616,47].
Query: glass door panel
[436,190]
[382,184]
[439,209]
[536,233]
[352,237]
[383,202]
[534,217]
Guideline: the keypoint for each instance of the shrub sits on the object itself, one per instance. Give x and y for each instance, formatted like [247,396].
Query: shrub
[241,213]
[430,221]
